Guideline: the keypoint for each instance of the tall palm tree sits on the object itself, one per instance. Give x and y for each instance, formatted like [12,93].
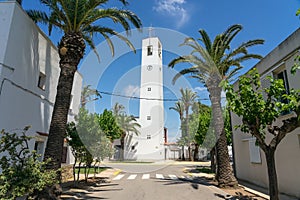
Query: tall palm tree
[128,124]
[86,95]
[188,98]
[179,108]
[117,109]
[213,63]
[79,22]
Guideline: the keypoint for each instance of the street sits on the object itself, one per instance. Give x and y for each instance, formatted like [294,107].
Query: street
[159,182]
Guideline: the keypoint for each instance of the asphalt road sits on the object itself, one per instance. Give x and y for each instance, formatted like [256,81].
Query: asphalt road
[156,182]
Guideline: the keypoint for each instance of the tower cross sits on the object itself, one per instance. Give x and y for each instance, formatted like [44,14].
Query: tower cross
[151,30]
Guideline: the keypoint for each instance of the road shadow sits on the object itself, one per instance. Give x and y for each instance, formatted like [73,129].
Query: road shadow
[238,196]
[194,182]
[88,190]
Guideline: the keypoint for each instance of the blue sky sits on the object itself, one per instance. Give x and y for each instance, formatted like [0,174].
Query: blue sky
[272,21]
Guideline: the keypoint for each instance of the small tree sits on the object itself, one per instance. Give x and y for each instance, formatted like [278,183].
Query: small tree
[259,116]
[78,149]
[22,173]
[89,143]
[108,124]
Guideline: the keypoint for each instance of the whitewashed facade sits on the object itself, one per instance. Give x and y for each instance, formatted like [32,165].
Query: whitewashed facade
[249,159]
[149,144]
[29,72]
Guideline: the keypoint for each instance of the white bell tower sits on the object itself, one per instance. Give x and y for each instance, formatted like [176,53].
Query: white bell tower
[149,145]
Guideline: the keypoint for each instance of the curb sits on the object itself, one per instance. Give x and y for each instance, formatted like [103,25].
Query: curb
[117,172]
[255,192]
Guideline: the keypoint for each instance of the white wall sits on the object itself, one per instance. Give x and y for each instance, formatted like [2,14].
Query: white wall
[149,149]
[288,151]
[27,52]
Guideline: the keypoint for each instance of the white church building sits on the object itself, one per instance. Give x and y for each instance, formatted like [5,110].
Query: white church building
[149,144]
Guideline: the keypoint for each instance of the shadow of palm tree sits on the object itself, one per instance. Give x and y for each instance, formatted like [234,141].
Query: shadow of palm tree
[238,196]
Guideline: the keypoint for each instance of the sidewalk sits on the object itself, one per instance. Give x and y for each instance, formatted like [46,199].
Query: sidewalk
[263,192]
[71,193]
[248,187]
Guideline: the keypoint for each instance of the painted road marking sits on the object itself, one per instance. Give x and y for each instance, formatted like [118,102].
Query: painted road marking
[160,176]
[146,176]
[118,177]
[132,177]
[172,176]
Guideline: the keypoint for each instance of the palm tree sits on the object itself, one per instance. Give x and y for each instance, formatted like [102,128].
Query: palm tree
[212,64]
[179,108]
[128,125]
[188,98]
[77,19]
[117,109]
[86,95]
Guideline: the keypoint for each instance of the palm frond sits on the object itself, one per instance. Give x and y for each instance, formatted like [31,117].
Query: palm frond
[183,72]
[38,16]
[206,40]
[89,41]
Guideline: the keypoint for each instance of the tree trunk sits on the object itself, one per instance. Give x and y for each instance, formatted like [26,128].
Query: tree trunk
[191,158]
[273,183]
[55,142]
[212,160]
[71,51]
[196,152]
[74,170]
[224,175]
[187,131]
[122,146]
[182,154]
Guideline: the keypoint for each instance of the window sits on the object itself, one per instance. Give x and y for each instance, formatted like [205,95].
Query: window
[254,151]
[71,104]
[150,50]
[42,81]
[159,50]
[281,73]
[148,117]
[148,137]
[39,148]
[149,88]
[132,148]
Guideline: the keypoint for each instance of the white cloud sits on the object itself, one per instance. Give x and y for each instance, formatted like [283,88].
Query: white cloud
[173,8]
[132,90]
[201,89]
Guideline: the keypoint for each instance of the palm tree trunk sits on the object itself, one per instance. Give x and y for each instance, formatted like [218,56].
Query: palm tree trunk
[187,131]
[212,160]
[71,51]
[196,152]
[224,176]
[182,153]
[273,183]
[122,146]
[58,124]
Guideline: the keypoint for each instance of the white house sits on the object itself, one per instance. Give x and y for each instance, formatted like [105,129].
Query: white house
[250,162]
[29,73]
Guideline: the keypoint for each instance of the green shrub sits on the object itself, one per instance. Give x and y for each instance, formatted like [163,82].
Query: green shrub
[22,173]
